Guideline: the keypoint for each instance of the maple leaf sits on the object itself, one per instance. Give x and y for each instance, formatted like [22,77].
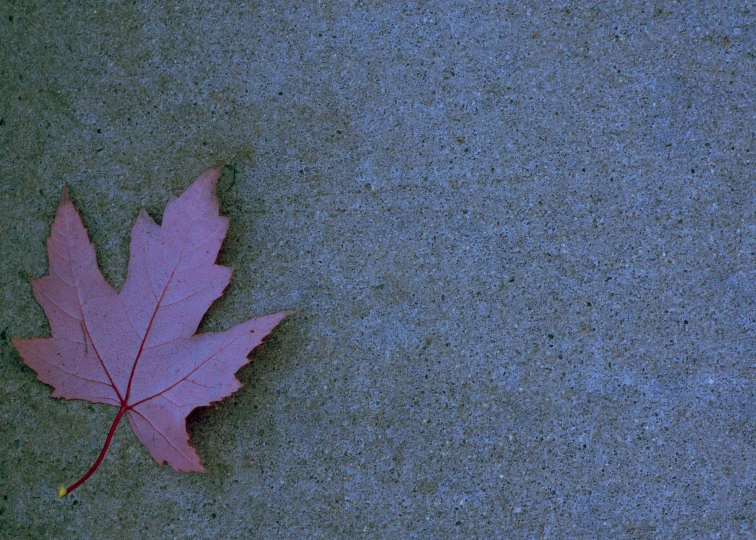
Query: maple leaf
[137,349]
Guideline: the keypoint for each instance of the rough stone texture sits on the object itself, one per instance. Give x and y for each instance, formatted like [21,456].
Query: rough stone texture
[523,239]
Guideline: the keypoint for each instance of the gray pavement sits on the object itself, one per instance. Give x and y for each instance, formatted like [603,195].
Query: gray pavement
[523,239]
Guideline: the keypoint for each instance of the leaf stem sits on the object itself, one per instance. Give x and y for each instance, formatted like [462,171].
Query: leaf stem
[62,492]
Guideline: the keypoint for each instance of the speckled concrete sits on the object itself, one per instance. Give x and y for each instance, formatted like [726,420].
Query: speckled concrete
[523,240]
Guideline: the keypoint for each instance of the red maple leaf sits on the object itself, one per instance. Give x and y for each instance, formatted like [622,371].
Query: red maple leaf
[137,349]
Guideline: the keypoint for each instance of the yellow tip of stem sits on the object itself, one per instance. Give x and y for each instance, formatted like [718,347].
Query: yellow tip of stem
[62,491]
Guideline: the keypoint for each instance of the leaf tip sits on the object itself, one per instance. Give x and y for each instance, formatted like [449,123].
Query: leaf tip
[64,198]
[291,312]
[209,177]
[62,491]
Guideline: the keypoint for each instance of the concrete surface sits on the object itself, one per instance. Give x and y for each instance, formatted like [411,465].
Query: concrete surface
[523,239]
